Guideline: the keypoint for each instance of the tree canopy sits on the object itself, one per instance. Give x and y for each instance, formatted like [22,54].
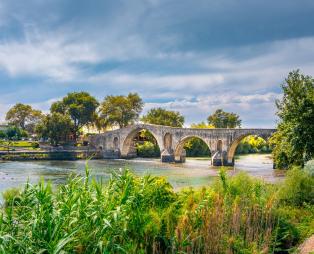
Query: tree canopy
[56,127]
[23,116]
[162,116]
[294,140]
[121,110]
[222,119]
[80,106]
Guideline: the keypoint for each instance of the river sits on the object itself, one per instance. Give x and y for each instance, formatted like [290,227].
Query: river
[195,172]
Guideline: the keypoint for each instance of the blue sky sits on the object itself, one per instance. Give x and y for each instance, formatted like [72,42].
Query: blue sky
[190,56]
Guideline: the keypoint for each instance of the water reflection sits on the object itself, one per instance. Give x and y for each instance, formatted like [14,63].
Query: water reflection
[195,172]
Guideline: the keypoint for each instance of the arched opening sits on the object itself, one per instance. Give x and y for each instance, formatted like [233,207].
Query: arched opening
[191,146]
[140,143]
[248,144]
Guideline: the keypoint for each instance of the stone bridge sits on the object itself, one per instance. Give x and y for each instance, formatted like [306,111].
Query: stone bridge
[221,142]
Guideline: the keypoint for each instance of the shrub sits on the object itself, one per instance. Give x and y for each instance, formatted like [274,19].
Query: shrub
[147,149]
[298,188]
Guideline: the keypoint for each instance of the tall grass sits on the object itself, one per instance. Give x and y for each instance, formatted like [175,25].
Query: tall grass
[133,214]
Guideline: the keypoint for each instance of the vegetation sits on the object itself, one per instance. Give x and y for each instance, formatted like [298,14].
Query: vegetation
[293,142]
[222,119]
[121,110]
[24,117]
[56,127]
[162,116]
[80,107]
[144,215]
[147,149]
[253,144]
[14,133]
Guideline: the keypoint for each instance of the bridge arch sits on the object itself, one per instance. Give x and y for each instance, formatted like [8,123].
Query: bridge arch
[233,147]
[179,152]
[128,149]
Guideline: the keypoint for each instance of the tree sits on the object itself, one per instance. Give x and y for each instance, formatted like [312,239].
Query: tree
[15,133]
[81,107]
[294,139]
[202,125]
[23,116]
[121,110]
[56,127]
[222,119]
[162,116]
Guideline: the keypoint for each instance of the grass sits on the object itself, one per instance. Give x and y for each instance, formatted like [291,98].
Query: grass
[17,143]
[145,215]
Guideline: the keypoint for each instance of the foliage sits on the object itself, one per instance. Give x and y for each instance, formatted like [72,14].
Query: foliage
[2,134]
[293,142]
[222,119]
[56,127]
[147,149]
[23,116]
[165,117]
[15,133]
[253,144]
[202,125]
[196,147]
[121,110]
[80,106]
[297,188]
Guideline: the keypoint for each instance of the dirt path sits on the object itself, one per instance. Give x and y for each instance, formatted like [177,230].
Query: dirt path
[308,246]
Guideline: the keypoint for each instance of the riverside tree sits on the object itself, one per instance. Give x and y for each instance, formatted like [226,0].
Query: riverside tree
[222,119]
[294,140]
[56,127]
[121,110]
[162,116]
[80,107]
[23,116]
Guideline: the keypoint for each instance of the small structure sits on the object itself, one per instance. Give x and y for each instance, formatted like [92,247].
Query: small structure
[221,142]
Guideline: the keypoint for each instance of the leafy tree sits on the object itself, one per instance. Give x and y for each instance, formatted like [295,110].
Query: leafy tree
[162,116]
[222,119]
[81,107]
[294,140]
[202,125]
[121,110]
[23,116]
[56,127]
[15,133]
[2,134]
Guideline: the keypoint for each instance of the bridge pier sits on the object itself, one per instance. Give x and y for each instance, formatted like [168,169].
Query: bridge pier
[167,157]
[221,159]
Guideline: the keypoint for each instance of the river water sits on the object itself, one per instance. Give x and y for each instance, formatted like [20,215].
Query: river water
[195,172]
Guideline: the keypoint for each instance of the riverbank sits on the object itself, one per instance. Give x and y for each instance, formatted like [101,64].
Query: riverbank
[44,154]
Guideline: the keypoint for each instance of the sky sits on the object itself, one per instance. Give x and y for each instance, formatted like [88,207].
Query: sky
[190,56]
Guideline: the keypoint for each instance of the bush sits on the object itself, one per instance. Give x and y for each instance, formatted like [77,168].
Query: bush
[147,149]
[35,145]
[298,188]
